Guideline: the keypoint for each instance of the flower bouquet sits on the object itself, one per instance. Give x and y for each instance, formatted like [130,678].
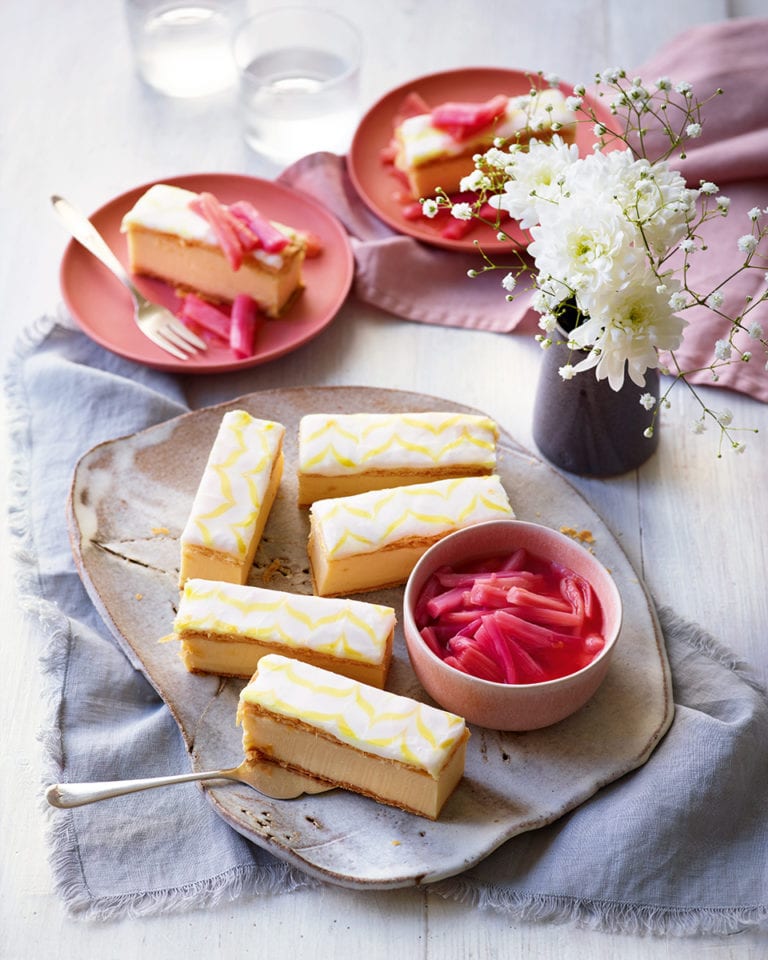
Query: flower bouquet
[612,237]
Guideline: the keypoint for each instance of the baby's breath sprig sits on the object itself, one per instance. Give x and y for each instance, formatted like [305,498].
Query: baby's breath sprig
[665,106]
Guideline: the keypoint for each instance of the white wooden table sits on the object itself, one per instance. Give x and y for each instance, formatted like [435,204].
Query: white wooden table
[73,119]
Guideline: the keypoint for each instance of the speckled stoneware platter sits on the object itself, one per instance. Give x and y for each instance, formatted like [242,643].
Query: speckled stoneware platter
[129,502]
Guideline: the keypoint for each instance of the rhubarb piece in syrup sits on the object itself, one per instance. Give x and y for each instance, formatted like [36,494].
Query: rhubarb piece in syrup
[206,315]
[246,322]
[462,120]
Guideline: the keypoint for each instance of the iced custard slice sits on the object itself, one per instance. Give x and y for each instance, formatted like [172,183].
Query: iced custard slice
[196,244]
[436,149]
[394,749]
[344,454]
[233,500]
[226,629]
[373,540]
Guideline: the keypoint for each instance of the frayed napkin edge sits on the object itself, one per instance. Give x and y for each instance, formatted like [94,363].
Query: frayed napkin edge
[605,916]
[63,857]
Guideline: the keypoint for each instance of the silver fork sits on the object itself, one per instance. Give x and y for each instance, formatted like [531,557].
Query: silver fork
[154,321]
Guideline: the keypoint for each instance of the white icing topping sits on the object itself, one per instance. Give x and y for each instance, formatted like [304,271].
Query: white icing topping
[231,493]
[350,629]
[343,444]
[371,521]
[378,722]
[421,143]
[165,208]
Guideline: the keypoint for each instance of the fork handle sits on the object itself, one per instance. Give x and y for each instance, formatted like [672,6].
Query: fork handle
[85,233]
[66,795]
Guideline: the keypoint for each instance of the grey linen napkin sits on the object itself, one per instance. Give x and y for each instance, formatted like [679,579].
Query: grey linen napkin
[679,845]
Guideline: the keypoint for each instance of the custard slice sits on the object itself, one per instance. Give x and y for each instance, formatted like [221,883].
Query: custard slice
[385,746]
[233,500]
[168,240]
[226,629]
[431,157]
[344,454]
[373,540]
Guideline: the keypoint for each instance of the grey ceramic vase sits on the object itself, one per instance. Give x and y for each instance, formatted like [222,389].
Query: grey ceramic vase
[583,426]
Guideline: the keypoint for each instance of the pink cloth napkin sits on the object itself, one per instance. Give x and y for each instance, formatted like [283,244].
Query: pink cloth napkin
[413,280]
[400,274]
[732,153]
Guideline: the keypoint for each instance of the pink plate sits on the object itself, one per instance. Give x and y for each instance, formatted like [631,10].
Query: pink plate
[377,184]
[103,308]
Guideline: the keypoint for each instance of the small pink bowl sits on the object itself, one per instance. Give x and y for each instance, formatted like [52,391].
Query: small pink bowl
[504,706]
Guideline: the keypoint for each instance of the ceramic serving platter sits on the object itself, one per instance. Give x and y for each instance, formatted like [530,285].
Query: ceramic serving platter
[128,504]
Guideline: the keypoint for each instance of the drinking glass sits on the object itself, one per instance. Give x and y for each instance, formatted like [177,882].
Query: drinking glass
[183,48]
[299,72]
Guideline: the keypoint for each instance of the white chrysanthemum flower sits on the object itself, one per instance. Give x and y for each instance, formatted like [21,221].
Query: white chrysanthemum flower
[722,350]
[651,196]
[429,208]
[536,178]
[586,244]
[625,330]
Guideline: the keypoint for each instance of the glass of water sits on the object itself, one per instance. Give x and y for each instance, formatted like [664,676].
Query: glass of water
[299,73]
[183,48]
